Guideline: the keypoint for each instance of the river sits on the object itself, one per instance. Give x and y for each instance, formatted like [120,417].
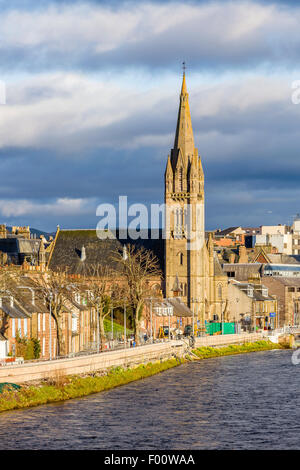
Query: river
[248,401]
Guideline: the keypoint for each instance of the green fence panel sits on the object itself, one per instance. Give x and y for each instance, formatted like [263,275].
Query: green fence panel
[228,328]
[216,327]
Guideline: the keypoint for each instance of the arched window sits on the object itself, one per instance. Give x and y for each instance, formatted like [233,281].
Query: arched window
[181,258]
[180,179]
[220,291]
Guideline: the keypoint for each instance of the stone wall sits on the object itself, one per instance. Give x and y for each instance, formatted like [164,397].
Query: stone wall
[222,340]
[89,364]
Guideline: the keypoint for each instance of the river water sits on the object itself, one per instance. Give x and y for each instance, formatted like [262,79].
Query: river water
[248,401]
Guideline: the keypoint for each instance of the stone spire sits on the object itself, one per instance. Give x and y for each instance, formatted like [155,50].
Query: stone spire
[184,138]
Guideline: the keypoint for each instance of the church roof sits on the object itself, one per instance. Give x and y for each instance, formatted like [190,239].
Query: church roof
[67,252]
[80,249]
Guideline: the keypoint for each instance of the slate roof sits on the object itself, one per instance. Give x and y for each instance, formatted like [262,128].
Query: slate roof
[68,248]
[69,243]
[225,232]
[280,258]
[180,309]
[12,311]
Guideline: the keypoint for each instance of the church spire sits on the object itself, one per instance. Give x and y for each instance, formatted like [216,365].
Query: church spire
[184,138]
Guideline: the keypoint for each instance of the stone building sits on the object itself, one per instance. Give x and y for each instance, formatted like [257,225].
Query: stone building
[188,256]
[287,292]
[251,304]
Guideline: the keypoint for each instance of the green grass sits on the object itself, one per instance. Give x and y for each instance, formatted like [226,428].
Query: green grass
[118,329]
[66,388]
[207,352]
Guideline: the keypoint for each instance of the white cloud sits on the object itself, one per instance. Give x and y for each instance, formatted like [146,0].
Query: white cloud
[59,207]
[218,29]
[70,112]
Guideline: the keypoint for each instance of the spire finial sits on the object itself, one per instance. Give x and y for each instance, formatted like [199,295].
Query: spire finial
[183,67]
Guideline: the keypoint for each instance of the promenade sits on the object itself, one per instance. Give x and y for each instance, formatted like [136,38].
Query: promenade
[34,371]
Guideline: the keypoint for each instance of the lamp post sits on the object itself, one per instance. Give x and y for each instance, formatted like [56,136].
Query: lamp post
[194,301]
[98,328]
[112,324]
[151,321]
[50,328]
[125,339]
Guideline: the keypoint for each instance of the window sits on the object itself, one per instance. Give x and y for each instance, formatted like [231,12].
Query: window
[180,179]
[181,258]
[291,289]
[13,328]
[19,326]
[250,292]
[44,322]
[74,324]
[25,327]
[39,322]
[231,273]
[220,292]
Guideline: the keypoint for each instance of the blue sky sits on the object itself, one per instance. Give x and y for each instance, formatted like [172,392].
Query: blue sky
[92,98]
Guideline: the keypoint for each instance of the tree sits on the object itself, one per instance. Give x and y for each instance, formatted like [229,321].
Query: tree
[8,279]
[137,266]
[99,295]
[54,286]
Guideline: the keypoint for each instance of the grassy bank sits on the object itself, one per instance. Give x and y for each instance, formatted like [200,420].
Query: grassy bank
[62,388]
[207,352]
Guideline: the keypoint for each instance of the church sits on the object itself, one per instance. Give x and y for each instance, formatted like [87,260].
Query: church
[191,269]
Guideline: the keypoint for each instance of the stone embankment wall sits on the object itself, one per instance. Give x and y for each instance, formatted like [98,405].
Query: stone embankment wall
[91,363]
[124,357]
[225,340]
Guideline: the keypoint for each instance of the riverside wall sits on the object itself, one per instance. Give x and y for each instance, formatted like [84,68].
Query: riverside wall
[225,340]
[91,363]
[34,371]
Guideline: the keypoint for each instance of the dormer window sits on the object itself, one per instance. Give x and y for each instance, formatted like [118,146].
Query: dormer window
[250,291]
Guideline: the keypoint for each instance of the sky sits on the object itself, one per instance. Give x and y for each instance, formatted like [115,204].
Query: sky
[92,94]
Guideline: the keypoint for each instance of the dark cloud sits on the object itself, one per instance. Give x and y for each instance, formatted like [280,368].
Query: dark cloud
[250,153]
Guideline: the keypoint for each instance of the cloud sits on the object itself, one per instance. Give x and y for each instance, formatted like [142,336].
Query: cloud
[97,36]
[59,207]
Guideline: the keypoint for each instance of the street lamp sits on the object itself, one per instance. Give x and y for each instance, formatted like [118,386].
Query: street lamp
[125,339]
[50,328]
[194,301]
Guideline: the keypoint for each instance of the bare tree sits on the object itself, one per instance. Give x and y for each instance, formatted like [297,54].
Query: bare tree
[8,280]
[137,266]
[54,286]
[101,292]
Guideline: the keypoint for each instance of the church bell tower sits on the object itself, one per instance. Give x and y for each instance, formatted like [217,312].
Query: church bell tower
[184,221]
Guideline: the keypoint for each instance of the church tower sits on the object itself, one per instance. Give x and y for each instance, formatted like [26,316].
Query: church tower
[186,260]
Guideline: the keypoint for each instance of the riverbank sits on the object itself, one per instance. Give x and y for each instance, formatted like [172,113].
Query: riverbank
[208,352]
[61,387]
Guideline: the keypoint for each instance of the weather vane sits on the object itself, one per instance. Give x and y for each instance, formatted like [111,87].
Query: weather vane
[183,67]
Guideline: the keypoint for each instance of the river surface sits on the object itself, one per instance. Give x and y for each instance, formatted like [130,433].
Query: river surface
[248,401]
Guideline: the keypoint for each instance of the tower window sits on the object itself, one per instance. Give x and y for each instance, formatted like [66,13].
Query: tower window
[181,179]
[181,259]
